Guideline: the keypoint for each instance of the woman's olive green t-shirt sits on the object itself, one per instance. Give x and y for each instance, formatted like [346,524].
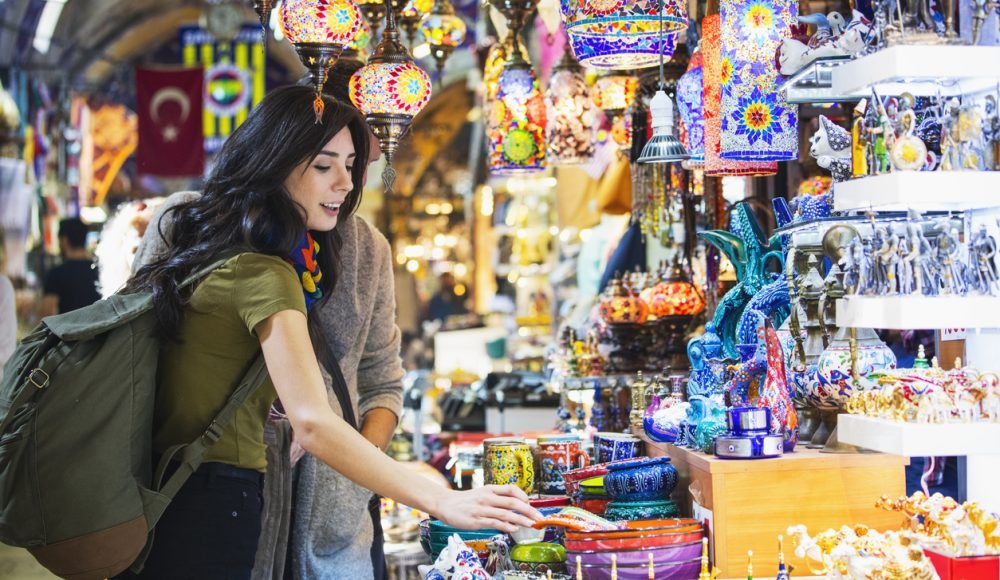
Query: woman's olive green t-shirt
[218,344]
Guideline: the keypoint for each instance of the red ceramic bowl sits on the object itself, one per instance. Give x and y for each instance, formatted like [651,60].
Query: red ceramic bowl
[635,543]
[642,528]
[553,501]
[594,505]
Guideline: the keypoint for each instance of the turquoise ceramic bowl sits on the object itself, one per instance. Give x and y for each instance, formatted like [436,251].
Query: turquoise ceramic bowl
[641,510]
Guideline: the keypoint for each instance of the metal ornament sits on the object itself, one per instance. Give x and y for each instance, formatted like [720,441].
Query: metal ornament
[263,10]
[374,12]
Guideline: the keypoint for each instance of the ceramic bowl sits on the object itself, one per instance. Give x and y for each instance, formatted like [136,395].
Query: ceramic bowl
[540,553]
[645,479]
[594,505]
[642,528]
[549,502]
[666,571]
[635,543]
[641,510]
[676,553]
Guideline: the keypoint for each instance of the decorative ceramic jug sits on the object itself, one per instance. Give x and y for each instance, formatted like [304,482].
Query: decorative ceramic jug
[836,379]
[622,307]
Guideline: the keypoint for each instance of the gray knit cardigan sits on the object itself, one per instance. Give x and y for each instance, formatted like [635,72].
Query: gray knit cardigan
[331,532]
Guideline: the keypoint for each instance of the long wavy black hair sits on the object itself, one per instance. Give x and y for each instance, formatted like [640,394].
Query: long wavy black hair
[244,206]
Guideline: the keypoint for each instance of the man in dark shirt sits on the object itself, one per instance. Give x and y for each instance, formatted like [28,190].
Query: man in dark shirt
[72,284]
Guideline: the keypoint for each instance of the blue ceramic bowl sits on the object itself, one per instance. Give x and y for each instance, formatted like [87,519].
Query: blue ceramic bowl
[644,479]
[641,510]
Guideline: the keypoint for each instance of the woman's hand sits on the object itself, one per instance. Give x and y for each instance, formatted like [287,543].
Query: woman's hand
[492,506]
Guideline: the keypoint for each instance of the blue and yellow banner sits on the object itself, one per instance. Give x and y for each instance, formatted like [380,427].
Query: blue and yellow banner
[234,78]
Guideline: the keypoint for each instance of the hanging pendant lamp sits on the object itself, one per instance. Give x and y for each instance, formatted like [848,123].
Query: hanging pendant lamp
[358,47]
[374,12]
[443,31]
[613,93]
[390,90]
[411,15]
[569,135]
[758,123]
[263,9]
[663,147]
[690,103]
[319,29]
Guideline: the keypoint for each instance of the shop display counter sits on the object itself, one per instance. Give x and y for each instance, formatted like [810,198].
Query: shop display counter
[751,502]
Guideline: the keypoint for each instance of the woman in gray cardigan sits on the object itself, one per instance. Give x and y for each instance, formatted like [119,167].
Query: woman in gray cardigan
[331,535]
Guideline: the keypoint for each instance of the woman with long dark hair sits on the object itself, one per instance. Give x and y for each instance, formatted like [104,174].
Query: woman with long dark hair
[279,186]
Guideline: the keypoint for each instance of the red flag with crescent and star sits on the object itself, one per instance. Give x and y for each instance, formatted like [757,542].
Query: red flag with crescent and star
[169,103]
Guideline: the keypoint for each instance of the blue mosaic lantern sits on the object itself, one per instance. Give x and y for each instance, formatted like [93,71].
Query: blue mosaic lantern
[607,42]
[691,105]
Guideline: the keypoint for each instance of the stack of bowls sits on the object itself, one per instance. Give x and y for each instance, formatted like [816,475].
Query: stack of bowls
[434,536]
[675,545]
[640,489]
[594,498]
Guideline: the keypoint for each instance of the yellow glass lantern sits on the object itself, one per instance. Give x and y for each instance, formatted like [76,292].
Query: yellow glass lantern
[622,307]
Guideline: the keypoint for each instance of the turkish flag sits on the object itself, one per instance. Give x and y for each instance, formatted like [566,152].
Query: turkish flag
[171,138]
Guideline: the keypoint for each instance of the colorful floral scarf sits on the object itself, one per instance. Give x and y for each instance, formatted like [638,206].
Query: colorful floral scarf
[303,259]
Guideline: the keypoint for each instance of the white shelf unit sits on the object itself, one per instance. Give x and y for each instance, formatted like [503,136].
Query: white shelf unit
[979,443]
[919,70]
[918,312]
[919,190]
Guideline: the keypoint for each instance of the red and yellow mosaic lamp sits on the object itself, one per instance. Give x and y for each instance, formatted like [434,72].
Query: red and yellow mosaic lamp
[443,31]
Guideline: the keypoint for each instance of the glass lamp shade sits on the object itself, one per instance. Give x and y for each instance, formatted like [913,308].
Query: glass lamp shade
[320,21]
[358,46]
[390,88]
[690,105]
[443,30]
[516,124]
[617,51]
[664,146]
[676,296]
[715,165]
[614,92]
[491,70]
[570,130]
[758,123]
[412,14]
[623,18]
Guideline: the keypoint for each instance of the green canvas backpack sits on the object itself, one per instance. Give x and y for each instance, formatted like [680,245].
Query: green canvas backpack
[77,484]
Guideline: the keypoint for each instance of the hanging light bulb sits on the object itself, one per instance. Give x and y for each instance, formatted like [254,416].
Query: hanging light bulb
[663,147]
[443,31]
[569,136]
[411,16]
[391,89]
[613,93]
[319,29]
[263,10]
[374,12]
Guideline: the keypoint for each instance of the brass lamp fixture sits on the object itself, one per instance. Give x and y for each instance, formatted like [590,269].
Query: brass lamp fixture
[263,9]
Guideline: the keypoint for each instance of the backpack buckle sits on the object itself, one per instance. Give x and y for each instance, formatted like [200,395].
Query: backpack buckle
[38,378]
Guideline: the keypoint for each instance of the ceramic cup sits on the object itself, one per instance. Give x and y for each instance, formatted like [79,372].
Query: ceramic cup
[508,461]
[556,456]
[616,446]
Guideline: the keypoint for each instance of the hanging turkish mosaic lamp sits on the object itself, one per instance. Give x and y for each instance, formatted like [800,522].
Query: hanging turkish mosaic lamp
[758,123]
[390,90]
[663,146]
[629,45]
[690,104]
[263,9]
[374,12]
[613,93]
[569,135]
[411,15]
[517,120]
[443,31]
[713,73]
[319,29]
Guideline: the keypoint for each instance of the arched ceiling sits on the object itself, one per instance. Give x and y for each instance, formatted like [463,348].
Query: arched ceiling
[93,38]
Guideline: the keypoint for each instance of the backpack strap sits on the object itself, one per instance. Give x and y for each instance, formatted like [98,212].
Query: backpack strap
[37,379]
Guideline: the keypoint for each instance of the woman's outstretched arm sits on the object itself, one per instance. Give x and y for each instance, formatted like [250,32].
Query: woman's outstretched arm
[295,372]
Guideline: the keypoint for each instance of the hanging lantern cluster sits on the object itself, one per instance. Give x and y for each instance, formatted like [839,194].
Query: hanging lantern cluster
[716,73]
[758,123]
[390,90]
[320,30]
[413,12]
[622,34]
[443,31]
[570,130]
[613,93]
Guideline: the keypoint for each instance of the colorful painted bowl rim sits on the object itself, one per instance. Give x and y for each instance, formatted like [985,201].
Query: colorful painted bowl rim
[641,566]
[558,439]
[628,534]
[638,528]
[570,553]
[549,501]
[637,462]
[616,436]
[643,503]
[581,473]
[593,482]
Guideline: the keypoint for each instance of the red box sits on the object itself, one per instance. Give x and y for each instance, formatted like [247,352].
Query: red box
[966,567]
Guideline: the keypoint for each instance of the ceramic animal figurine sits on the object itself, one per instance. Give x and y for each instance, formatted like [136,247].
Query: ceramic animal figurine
[830,145]
[833,39]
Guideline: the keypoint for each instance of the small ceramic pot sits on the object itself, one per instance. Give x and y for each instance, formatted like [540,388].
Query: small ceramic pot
[556,456]
[641,510]
[616,446]
[508,461]
[573,477]
[540,557]
[646,479]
